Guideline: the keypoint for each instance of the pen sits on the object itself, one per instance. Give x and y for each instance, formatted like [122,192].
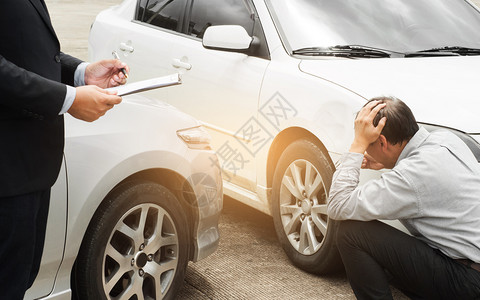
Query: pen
[115,55]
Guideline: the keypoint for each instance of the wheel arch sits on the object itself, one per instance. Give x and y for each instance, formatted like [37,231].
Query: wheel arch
[177,184]
[174,182]
[282,141]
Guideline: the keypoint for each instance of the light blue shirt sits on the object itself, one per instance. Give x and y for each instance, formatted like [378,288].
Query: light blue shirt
[434,190]
[79,80]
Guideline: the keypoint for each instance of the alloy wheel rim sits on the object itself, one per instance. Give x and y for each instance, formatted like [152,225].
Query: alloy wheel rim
[303,206]
[141,256]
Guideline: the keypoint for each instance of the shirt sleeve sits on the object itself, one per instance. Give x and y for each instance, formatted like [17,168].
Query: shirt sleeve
[69,98]
[79,80]
[393,196]
[79,77]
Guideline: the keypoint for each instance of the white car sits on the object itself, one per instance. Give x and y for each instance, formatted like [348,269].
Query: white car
[138,196]
[278,84]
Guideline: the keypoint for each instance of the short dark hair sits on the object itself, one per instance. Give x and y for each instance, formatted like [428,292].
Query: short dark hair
[401,124]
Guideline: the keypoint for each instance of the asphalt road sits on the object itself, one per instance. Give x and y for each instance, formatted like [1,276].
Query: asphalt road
[249,263]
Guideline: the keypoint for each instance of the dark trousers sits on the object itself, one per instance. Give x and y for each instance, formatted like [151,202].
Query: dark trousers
[23,222]
[376,255]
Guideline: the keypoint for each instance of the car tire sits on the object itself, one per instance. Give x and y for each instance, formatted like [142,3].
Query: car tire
[136,246]
[301,183]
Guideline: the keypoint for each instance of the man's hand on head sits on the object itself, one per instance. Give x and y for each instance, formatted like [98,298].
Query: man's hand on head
[365,132]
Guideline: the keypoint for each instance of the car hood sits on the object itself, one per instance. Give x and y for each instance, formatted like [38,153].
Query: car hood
[440,90]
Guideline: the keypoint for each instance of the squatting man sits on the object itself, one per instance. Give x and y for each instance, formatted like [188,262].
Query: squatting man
[433,188]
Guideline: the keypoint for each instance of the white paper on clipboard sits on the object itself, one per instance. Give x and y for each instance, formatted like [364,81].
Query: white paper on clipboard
[145,85]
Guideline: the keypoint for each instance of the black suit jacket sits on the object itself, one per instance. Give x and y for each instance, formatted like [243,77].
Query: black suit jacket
[33,74]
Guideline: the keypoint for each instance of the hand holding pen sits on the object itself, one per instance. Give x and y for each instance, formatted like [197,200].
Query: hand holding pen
[106,73]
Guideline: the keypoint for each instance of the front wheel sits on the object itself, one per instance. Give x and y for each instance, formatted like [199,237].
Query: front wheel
[136,246]
[301,183]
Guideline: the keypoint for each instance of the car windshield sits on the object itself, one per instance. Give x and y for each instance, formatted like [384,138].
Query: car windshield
[423,27]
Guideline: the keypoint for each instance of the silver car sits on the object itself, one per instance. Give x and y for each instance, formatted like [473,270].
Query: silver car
[278,83]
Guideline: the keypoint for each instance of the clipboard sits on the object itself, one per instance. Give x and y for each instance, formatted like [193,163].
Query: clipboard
[145,85]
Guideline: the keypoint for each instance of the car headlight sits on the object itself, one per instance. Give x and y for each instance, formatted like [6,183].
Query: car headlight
[472,143]
[195,138]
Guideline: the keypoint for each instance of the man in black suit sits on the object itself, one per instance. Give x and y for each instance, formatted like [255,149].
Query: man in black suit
[36,87]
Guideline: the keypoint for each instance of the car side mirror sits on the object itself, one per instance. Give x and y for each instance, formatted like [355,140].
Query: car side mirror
[227,38]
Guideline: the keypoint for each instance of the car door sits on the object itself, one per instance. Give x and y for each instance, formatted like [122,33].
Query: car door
[219,88]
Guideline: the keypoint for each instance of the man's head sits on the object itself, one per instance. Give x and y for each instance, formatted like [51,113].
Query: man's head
[399,128]
[401,125]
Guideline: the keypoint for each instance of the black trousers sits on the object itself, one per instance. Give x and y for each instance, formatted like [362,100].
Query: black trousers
[376,255]
[23,222]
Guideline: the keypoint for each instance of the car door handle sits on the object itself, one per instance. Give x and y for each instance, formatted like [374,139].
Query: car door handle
[126,47]
[177,63]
